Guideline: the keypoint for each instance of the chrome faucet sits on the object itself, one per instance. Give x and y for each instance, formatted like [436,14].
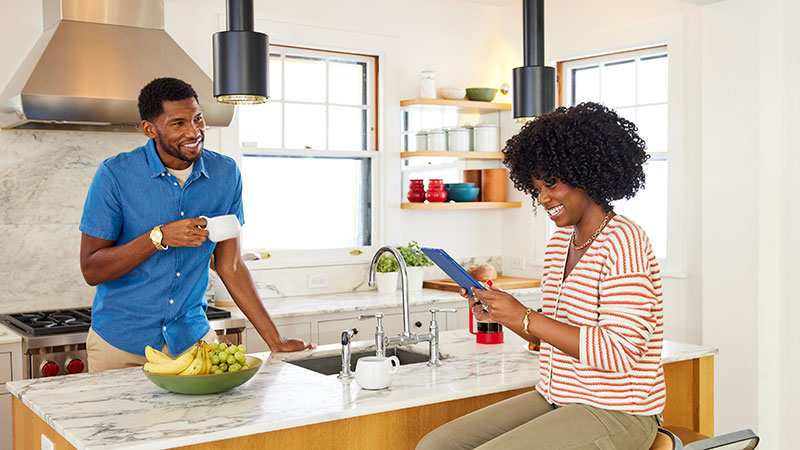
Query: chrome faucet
[382,342]
[347,336]
[373,266]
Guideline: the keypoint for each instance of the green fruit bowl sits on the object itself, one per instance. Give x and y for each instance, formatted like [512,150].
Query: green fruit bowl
[205,384]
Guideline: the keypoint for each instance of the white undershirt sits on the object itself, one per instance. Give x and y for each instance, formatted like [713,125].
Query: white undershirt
[181,175]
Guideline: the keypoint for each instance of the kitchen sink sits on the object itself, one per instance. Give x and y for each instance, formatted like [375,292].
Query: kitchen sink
[332,365]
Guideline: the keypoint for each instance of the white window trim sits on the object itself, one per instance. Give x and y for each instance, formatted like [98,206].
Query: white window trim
[669,32]
[229,140]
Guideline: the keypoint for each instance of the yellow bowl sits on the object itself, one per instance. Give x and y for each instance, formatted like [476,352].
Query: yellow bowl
[205,384]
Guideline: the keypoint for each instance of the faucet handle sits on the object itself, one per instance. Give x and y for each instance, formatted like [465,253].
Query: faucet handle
[436,310]
[369,316]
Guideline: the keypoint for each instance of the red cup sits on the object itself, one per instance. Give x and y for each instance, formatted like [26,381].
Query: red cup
[416,193]
[436,192]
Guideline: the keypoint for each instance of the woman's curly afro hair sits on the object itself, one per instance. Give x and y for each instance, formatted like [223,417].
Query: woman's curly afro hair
[587,146]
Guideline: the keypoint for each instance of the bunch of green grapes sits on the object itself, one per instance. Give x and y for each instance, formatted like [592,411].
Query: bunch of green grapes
[227,358]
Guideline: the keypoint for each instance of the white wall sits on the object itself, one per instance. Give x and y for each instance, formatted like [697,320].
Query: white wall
[579,28]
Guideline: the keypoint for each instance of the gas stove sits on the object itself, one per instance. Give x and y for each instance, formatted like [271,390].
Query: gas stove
[54,341]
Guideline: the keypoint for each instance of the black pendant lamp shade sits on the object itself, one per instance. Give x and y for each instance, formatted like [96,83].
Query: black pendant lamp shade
[534,83]
[240,58]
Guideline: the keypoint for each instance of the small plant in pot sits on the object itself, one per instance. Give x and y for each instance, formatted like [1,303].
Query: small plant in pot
[416,261]
[386,274]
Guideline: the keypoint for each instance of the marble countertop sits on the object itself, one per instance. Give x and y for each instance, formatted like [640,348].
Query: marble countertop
[122,409]
[7,336]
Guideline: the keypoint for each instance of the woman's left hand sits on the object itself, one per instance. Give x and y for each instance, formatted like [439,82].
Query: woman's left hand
[501,307]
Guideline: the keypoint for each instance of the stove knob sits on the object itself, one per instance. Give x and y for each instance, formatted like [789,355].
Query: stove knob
[49,369]
[75,366]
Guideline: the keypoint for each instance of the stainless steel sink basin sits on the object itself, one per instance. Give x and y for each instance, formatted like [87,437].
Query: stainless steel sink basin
[331,365]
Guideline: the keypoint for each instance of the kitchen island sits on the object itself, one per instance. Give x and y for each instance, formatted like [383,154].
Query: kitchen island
[286,406]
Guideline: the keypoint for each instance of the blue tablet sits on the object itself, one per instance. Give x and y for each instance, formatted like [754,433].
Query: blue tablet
[451,268]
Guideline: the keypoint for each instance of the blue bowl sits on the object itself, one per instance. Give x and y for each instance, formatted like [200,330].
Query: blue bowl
[463,194]
[461,185]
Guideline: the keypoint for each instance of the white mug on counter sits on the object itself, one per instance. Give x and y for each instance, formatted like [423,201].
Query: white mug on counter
[375,372]
[221,228]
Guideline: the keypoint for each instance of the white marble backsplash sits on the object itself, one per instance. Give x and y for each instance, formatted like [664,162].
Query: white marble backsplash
[272,283]
[45,176]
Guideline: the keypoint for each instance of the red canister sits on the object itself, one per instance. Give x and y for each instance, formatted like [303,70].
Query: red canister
[416,193]
[436,192]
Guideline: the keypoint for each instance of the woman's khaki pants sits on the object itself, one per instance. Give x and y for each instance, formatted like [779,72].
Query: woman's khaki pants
[528,422]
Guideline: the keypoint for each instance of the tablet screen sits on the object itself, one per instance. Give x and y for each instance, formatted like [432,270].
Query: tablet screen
[451,268]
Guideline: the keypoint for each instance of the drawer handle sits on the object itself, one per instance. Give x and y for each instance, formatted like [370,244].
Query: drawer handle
[418,324]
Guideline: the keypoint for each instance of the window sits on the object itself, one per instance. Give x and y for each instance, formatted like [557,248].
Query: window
[634,84]
[307,154]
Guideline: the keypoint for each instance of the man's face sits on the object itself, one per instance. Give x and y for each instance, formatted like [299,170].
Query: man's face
[179,131]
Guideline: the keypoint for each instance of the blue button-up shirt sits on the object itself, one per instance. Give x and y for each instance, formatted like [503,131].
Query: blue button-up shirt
[163,298]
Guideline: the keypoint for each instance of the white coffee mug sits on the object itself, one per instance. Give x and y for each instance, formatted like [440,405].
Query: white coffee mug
[222,228]
[375,372]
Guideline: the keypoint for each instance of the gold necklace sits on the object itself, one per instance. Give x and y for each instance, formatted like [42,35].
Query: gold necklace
[594,236]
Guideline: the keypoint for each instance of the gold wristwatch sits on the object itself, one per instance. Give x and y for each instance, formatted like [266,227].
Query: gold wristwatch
[156,236]
[526,321]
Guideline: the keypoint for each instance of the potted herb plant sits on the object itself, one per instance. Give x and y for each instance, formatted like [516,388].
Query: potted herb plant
[416,261]
[386,274]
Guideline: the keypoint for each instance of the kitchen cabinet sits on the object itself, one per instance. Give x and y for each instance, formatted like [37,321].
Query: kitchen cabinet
[424,113]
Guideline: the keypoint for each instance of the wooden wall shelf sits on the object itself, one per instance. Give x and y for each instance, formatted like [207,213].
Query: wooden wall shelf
[465,105]
[461,205]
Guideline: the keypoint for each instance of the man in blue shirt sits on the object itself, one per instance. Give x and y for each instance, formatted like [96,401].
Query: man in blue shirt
[143,243]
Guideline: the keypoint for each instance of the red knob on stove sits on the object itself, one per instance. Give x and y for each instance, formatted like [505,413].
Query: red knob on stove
[49,369]
[75,366]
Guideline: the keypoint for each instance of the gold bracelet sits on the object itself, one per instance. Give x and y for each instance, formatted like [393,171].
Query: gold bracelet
[526,320]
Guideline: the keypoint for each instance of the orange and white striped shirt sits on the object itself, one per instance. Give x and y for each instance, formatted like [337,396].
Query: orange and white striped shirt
[614,296]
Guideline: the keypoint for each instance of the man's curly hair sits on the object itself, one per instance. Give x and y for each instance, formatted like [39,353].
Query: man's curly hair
[160,90]
[587,146]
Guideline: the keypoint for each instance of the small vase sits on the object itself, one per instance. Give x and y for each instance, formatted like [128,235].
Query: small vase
[415,275]
[436,192]
[416,193]
[386,281]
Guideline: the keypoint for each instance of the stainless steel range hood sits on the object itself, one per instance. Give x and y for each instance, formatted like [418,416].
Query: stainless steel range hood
[86,70]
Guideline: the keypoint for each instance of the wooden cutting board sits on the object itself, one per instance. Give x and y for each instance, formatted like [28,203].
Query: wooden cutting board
[502,282]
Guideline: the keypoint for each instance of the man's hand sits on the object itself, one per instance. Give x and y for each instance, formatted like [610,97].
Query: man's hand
[184,233]
[292,345]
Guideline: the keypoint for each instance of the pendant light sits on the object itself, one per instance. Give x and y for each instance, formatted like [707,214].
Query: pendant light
[240,58]
[534,83]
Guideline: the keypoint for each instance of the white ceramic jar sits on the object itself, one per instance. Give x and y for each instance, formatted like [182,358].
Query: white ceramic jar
[422,140]
[437,140]
[458,139]
[486,137]
[427,84]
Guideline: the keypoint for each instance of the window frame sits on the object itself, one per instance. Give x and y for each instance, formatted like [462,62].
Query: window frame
[272,259]
[673,264]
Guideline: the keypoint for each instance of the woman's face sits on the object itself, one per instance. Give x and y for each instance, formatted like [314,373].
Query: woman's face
[565,205]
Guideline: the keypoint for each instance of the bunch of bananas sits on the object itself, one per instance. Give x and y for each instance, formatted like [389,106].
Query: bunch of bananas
[194,362]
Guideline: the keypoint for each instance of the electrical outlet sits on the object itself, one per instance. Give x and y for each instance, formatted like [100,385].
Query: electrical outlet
[317,280]
[518,262]
[47,444]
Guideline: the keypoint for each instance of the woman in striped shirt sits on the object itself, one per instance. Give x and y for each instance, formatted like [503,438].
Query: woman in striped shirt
[601,383]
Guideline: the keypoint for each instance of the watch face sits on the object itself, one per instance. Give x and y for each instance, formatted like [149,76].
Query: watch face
[156,235]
